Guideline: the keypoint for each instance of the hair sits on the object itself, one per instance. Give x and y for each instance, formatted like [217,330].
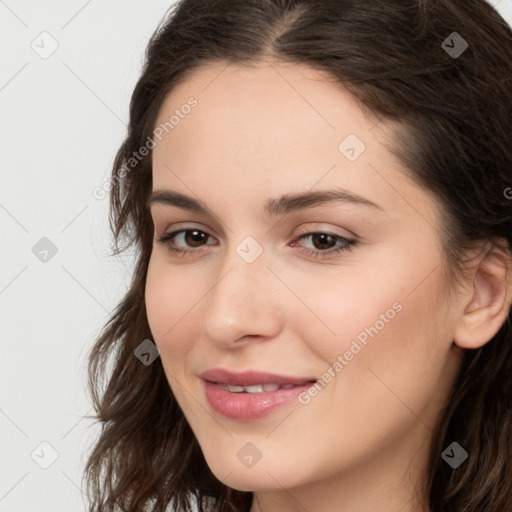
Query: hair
[455,122]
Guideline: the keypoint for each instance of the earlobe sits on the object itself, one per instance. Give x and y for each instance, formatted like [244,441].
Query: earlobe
[489,305]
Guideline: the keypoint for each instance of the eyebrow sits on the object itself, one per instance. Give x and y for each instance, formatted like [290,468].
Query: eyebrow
[273,207]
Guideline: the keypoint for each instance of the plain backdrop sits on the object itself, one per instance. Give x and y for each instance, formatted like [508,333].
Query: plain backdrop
[68,69]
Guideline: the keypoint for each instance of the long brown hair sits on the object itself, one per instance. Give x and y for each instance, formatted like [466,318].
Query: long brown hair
[455,118]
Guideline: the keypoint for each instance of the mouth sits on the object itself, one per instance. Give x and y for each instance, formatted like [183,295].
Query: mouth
[258,388]
[251,395]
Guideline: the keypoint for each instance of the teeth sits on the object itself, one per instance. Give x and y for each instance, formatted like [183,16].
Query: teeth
[235,389]
[256,388]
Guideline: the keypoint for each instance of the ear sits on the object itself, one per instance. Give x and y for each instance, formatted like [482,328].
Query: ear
[490,296]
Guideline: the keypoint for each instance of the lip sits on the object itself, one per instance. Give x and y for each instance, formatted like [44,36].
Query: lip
[250,377]
[246,406]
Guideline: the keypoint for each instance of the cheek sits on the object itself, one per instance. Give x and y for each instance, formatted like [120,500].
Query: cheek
[167,305]
[169,319]
[157,300]
[378,324]
[353,311]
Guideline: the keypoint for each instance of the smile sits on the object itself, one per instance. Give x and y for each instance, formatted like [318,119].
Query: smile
[250,395]
[256,388]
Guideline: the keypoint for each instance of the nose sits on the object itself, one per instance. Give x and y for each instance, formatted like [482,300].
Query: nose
[241,305]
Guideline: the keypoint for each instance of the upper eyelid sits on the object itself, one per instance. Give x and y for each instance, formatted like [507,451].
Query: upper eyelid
[159,213]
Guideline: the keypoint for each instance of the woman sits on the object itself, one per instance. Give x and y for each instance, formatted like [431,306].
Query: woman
[319,198]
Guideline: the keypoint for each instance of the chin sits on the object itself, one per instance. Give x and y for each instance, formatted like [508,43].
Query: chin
[250,481]
[263,475]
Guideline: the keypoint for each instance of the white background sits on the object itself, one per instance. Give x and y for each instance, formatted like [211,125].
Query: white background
[62,120]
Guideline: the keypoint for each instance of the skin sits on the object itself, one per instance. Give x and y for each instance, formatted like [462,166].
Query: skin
[362,442]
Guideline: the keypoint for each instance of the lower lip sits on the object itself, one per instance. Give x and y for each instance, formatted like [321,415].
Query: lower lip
[250,406]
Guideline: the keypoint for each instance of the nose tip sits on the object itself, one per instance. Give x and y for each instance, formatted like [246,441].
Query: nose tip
[239,307]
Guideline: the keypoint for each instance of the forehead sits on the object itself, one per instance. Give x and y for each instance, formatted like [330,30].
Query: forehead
[274,90]
[271,112]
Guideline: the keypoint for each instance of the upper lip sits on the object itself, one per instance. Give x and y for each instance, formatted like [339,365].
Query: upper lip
[250,377]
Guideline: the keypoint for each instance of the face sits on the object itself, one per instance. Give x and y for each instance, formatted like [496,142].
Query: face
[339,304]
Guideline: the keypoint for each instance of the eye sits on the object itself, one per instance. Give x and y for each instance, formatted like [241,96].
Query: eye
[324,238]
[195,238]
[192,236]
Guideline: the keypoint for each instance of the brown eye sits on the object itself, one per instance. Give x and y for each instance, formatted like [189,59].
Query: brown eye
[189,237]
[321,239]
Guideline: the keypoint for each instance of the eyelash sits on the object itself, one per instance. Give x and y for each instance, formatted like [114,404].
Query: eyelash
[348,243]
